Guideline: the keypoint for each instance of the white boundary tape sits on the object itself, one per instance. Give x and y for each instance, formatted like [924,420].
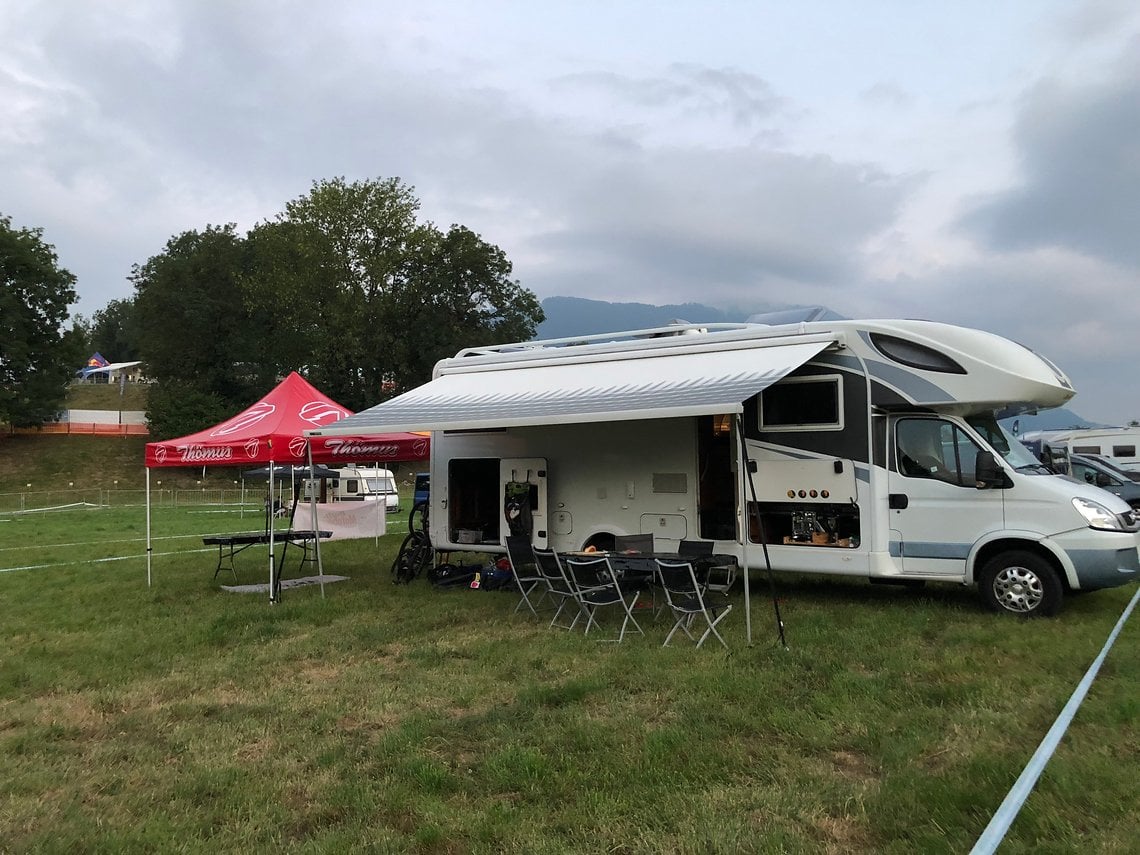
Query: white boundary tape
[995,832]
[99,560]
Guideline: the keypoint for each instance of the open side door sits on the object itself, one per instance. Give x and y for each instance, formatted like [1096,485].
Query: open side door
[522,484]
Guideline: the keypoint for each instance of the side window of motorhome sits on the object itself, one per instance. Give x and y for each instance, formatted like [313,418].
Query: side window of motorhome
[932,448]
[1124,451]
[803,403]
[351,486]
[1086,449]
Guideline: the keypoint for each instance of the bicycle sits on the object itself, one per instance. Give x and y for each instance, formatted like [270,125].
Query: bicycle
[416,553]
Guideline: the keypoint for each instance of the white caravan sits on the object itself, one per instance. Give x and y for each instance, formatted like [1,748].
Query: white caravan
[1119,445]
[358,484]
[873,450]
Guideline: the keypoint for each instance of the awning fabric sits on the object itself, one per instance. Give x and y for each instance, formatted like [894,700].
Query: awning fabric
[618,388]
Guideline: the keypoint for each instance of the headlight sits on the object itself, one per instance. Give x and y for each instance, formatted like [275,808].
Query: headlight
[1097,515]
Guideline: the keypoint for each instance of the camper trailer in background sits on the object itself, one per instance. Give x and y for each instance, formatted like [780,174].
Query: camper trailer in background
[1119,445]
[857,448]
[359,484]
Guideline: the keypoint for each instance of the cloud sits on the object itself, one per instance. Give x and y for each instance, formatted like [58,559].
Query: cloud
[687,88]
[1080,162]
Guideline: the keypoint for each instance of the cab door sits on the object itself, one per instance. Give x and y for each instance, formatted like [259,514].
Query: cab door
[522,485]
[937,513]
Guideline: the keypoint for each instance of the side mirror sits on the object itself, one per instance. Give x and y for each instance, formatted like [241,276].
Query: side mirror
[987,472]
[1102,480]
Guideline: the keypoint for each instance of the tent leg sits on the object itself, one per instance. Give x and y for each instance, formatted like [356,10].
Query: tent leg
[272,551]
[148,548]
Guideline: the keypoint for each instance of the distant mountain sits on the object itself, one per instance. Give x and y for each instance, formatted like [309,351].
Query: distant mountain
[573,316]
[1060,418]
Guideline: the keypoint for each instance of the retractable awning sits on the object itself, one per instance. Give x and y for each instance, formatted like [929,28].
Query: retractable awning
[622,387]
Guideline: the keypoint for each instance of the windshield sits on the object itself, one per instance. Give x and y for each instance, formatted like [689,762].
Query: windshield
[1005,444]
[1122,474]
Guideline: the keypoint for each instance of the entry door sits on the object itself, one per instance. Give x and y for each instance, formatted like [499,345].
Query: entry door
[522,485]
[937,512]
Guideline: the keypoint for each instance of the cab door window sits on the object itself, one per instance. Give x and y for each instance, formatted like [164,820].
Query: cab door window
[936,450]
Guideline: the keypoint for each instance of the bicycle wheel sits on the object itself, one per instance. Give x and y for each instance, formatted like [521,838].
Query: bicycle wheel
[401,566]
[414,557]
[418,517]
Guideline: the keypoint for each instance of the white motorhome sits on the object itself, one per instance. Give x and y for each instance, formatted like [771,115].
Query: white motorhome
[872,449]
[359,484]
[1119,445]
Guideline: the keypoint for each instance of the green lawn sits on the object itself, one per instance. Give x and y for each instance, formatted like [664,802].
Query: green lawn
[389,718]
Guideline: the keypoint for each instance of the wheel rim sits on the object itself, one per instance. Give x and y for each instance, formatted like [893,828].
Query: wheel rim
[1018,589]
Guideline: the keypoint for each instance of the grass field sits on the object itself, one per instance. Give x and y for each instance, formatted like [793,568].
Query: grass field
[106,396]
[389,718]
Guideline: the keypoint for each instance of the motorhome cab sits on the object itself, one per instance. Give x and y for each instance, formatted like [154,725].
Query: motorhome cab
[860,448]
[358,484]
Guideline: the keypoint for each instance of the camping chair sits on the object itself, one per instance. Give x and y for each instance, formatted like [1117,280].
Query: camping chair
[720,577]
[530,581]
[558,587]
[686,599]
[694,548]
[597,586]
[633,543]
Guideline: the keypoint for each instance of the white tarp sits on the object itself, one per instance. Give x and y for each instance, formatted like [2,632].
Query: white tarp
[348,520]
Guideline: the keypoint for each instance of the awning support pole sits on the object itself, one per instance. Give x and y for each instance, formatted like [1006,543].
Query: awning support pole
[763,537]
[313,516]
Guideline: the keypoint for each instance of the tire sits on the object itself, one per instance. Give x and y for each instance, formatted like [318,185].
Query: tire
[418,517]
[1021,583]
[414,557]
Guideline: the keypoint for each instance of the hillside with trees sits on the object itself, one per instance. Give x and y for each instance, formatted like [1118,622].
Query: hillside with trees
[346,286]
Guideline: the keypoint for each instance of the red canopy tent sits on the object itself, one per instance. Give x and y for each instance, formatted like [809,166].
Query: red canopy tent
[272,432]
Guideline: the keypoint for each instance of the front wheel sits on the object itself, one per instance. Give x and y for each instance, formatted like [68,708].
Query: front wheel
[1021,583]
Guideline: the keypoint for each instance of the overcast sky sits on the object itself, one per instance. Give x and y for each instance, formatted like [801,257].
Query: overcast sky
[976,163]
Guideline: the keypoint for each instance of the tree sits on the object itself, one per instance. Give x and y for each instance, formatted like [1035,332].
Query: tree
[194,329]
[36,356]
[326,269]
[344,286]
[178,407]
[459,294]
[367,299]
[113,331]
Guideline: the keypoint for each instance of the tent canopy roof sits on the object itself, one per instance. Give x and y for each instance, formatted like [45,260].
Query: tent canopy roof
[273,430]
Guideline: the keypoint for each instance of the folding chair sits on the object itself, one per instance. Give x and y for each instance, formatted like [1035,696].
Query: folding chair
[694,548]
[530,581]
[686,599]
[596,586]
[558,587]
[721,577]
